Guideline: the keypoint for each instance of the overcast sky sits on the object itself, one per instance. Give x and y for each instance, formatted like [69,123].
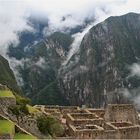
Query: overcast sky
[14,14]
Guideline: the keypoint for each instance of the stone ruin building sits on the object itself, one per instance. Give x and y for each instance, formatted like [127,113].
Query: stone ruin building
[116,121]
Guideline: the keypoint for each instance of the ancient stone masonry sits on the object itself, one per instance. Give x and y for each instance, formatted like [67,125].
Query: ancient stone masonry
[98,112]
[5,136]
[116,121]
[3,87]
[84,118]
[7,101]
[121,113]
[26,122]
[15,129]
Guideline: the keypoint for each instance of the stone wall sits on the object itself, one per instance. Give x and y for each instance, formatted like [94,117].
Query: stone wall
[121,113]
[78,121]
[129,133]
[86,133]
[30,125]
[105,133]
[61,107]
[119,122]
[110,134]
[3,87]
[5,103]
[5,136]
[99,112]
[122,130]
[65,111]
[84,116]
[27,123]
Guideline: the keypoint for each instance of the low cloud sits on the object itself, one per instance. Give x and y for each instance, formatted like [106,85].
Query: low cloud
[15,64]
[61,15]
[41,63]
[137,102]
[76,43]
[133,94]
[134,70]
[12,21]
[126,93]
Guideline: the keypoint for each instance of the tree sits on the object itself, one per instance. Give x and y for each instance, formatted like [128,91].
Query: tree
[50,125]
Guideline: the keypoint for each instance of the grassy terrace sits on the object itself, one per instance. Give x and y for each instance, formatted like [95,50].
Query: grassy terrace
[6,127]
[23,136]
[6,93]
[32,110]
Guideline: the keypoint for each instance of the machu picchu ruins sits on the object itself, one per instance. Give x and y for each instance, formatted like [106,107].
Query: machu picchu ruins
[115,121]
[69,69]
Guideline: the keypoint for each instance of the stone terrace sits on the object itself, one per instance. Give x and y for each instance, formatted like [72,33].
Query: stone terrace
[98,112]
[116,121]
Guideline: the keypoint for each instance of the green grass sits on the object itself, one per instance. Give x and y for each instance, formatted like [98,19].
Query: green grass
[32,110]
[6,93]
[23,136]
[6,127]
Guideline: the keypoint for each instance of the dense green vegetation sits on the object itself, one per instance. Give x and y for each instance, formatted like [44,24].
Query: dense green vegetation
[18,110]
[7,76]
[23,136]
[40,82]
[32,110]
[50,95]
[6,93]
[21,106]
[6,127]
[64,39]
[50,126]
[22,100]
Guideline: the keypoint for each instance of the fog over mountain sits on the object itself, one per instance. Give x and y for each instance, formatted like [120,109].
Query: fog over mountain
[45,40]
[62,15]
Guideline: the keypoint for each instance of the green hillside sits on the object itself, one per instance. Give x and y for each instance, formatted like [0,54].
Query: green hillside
[6,127]
[6,75]
[6,93]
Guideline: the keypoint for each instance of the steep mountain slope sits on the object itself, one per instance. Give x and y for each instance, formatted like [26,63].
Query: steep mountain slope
[41,58]
[7,76]
[39,71]
[98,73]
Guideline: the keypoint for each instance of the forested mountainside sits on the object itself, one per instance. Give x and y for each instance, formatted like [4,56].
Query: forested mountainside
[6,75]
[101,72]
[94,76]
[39,70]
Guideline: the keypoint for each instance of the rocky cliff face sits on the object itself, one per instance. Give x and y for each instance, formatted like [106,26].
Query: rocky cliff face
[39,69]
[98,73]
